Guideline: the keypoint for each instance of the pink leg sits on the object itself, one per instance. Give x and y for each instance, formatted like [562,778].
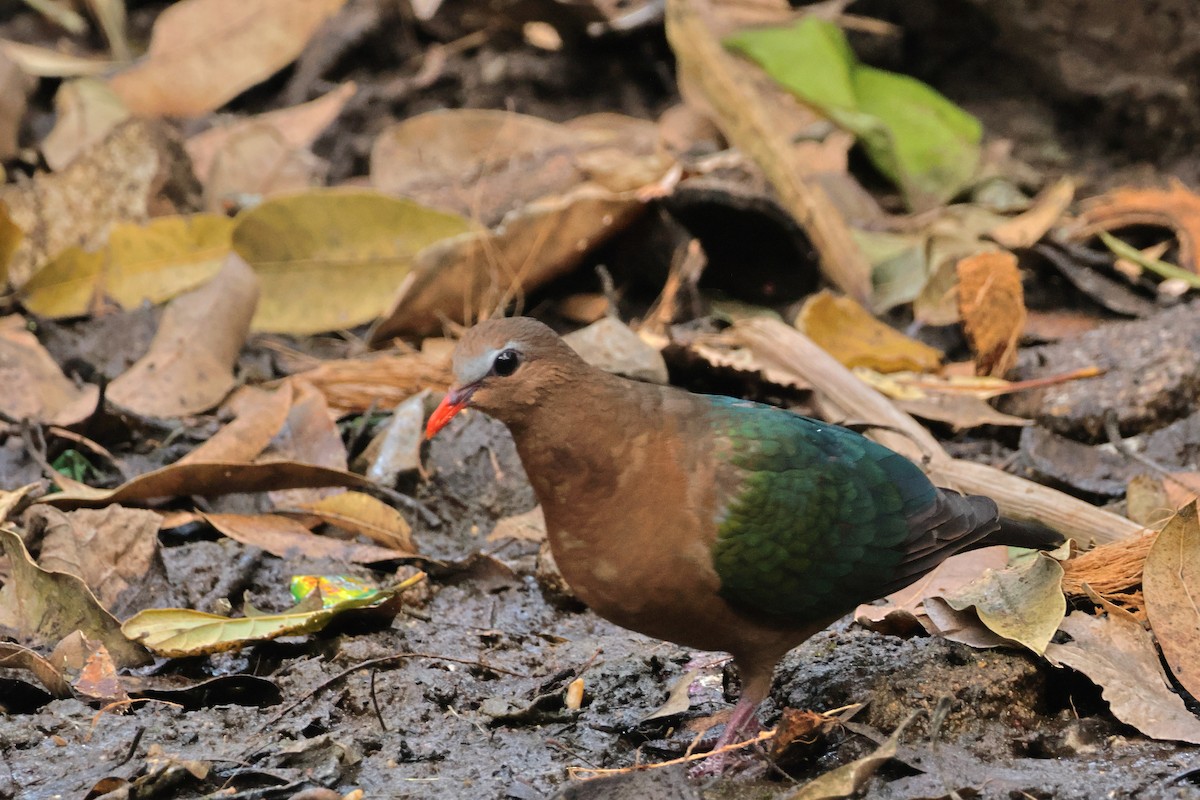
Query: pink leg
[742,722]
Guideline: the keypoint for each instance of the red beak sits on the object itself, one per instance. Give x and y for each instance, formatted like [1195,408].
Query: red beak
[454,401]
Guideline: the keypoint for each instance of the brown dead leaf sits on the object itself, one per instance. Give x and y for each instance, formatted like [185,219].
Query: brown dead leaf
[484,164]
[35,387]
[189,368]
[1117,654]
[258,417]
[134,174]
[902,611]
[14,656]
[850,333]
[991,302]
[113,550]
[309,436]
[1176,208]
[91,669]
[361,514]
[298,126]
[468,277]
[527,527]
[44,607]
[207,479]
[86,112]
[1024,230]
[1169,584]
[287,538]
[204,53]
[257,162]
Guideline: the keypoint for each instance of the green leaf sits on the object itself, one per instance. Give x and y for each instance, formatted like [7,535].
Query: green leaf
[925,144]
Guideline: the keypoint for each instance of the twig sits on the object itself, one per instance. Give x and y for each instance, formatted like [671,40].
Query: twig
[588,774]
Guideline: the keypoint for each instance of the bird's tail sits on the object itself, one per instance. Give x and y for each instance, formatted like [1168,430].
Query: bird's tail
[1022,533]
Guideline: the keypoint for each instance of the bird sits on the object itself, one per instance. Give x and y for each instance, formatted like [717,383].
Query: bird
[712,522]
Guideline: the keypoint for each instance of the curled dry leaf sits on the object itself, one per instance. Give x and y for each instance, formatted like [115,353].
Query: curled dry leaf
[309,436]
[86,111]
[258,417]
[991,303]
[1176,208]
[14,656]
[330,259]
[849,333]
[287,538]
[470,276]
[1024,230]
[152,262]
[204,53]
[362,514]
[44,607]
[847,779]
[35,386]
[135,173]
[1022,604]
[205,479]
[189,367]
[1117,654]
[1171,586]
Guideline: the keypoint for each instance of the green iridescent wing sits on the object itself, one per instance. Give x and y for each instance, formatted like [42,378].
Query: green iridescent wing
[822,517]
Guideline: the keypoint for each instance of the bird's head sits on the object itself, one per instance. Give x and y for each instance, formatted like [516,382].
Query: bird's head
[504,368]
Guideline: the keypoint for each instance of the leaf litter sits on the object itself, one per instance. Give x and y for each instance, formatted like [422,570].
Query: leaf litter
[229,470]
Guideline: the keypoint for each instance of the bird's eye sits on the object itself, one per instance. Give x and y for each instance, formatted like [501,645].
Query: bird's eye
[506,363]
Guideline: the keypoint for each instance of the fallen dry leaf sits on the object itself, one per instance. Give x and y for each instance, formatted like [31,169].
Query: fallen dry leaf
[361,514]
[1022,604]
[111,549]
[527,527]
[308,436]
[35,386]
[1170,583]
[86,111]
[14,656]
[1117,654]
[204,53]
[90,668]
[258,417]
[134,174]
[330,258]
[847,779]
[152,262]
[189,367]
[1026,229]
[257,162]
[484,164]
[396,450]
[179,632]
[610,345]
[1176,208]
[299,126]
[470,276]
[45,63]
[853,336]
[902,611]
[44,607]
[287,538]
[205,479]
[991,303]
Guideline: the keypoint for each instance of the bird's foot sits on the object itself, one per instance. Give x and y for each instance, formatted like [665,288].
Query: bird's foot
[725,757]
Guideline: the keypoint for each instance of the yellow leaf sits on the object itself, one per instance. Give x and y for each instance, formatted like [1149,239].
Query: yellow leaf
[10,236]
[181,632]
[332,258]
[154,262]
[849,333]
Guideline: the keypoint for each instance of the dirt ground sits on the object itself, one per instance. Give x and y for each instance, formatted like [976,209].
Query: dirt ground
[465,696]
